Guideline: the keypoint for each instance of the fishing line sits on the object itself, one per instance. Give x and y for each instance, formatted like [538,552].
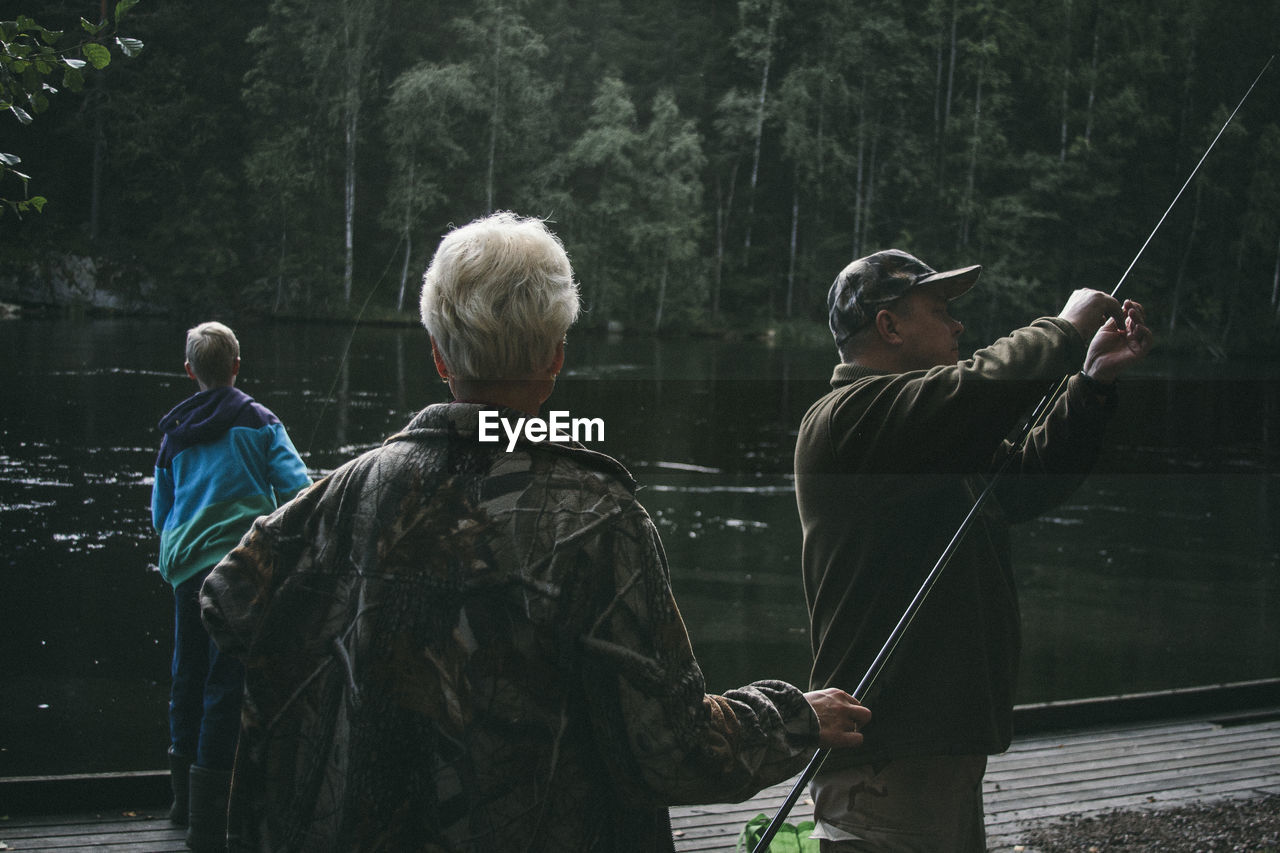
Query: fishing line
[1038,414]
[346,350]
[1187,183]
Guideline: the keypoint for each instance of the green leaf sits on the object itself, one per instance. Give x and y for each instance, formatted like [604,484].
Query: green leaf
[72,78]
[124,6]
[38,202]
[789,839]
[30,78]
[98,55]
[129,47]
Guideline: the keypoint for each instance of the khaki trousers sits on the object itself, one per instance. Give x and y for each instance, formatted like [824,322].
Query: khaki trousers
[929,804]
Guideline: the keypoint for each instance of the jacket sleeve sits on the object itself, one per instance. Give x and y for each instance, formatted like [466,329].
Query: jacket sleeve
[161,497]
[287,471]
[653,719]
[236,594]
[953,419]
[1058,454]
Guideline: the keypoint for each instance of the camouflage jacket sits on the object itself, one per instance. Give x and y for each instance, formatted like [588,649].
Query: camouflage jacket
[452,647]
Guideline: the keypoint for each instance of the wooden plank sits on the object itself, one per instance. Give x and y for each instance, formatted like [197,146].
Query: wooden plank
[1105,742]
[1171,766]
[83,835]
[85,825]
[1109,744]
[1087,748]
[1153,769]
[1093,760]
[1222,787]
[96,816]
[108,844]
[127,831]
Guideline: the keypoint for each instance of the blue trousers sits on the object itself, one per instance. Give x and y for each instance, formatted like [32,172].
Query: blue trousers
[207,687]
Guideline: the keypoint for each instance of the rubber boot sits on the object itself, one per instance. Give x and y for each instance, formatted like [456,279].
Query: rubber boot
[207,812]
[179,776]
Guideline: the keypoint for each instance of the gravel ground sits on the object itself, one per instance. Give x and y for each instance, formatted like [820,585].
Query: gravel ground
[1233,825]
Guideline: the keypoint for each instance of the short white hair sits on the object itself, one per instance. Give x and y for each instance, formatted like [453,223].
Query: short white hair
[498,296]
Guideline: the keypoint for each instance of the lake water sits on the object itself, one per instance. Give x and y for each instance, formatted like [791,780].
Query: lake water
[1162,571]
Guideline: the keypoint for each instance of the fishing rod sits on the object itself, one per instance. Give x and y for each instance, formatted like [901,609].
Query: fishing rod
[346,350]
[1037,415]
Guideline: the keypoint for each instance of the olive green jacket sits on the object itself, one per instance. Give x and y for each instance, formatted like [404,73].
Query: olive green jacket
[451,647]
[887,466]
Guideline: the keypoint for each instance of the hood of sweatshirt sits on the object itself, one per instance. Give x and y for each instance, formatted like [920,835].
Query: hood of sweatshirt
[204,416]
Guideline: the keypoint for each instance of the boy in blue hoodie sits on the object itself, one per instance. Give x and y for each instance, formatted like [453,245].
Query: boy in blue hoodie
[224,460]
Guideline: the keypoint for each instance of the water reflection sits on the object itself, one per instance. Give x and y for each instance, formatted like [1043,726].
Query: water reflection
[1161,572]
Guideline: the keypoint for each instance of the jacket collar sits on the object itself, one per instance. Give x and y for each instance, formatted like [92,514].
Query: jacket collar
[846,374]
[462,421]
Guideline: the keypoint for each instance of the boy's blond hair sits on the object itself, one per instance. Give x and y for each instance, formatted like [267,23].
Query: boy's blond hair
[212,350]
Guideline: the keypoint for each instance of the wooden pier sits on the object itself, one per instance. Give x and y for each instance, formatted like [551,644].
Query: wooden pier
[1047,777]
[1140,765]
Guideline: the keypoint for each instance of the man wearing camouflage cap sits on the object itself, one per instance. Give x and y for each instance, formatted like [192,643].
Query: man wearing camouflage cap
[887,466]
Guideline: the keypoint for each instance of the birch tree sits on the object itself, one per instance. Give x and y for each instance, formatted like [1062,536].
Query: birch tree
[601,165]
[503,55]
[425,128]
[756,42]
[732,124]
[1261,230]
[288,166]
[806,100]
[667,233]
[326,47]
[946,17]
[358,20]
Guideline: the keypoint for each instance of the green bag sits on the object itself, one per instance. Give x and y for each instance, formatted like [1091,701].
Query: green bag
[790,839]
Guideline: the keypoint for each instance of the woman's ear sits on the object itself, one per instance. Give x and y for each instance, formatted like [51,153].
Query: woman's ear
[441,367]
[557,363]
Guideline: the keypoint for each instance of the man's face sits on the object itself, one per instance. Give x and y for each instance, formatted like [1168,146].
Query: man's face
[930,335]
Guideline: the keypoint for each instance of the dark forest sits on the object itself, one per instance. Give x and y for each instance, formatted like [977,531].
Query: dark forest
[710,166]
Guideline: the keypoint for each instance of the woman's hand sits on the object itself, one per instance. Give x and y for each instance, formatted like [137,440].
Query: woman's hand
[839,717]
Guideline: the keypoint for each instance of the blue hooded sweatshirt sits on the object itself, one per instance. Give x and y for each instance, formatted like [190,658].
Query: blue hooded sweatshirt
[224,461]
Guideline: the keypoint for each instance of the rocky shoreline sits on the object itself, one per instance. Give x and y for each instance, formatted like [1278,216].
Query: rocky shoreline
[1251,825]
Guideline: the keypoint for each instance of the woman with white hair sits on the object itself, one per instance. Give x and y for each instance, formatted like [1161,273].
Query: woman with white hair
[452,645]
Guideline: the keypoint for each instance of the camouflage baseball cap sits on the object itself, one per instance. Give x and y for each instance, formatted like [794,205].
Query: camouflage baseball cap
[868,283]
